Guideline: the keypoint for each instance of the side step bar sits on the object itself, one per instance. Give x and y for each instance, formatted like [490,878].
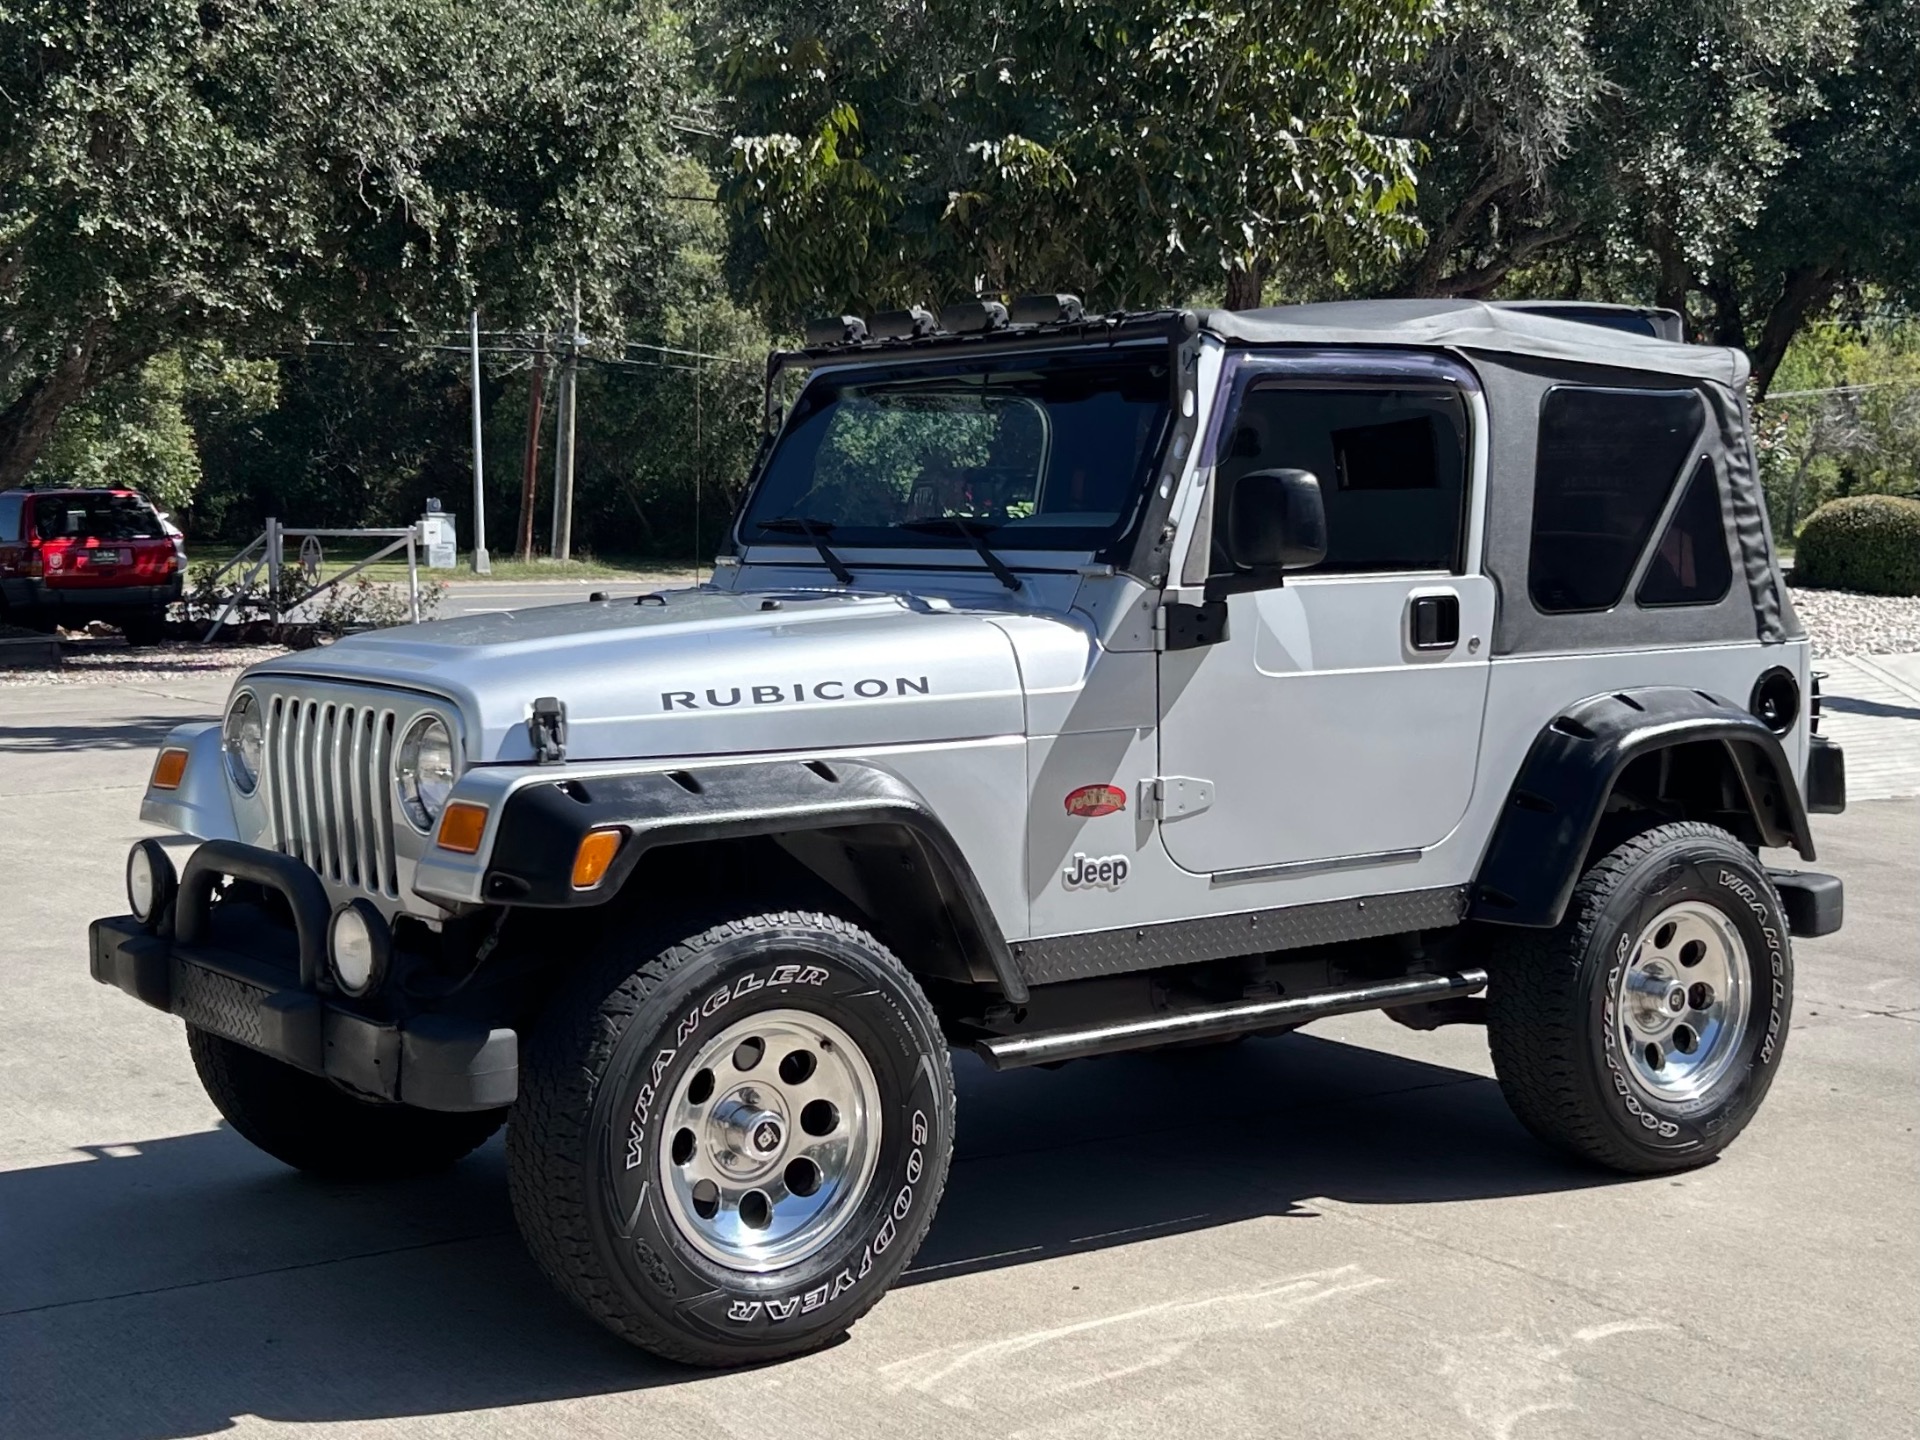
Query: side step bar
[1009,1052]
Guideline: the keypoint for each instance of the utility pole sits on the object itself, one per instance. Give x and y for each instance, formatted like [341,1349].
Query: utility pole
[481,564]
[530,471]
[562,547]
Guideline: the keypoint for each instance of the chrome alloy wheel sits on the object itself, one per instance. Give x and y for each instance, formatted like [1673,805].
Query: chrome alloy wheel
[770,1140]
[1681,1001]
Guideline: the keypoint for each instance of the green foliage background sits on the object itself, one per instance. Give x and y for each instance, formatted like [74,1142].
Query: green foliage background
[1865,542]
[239,243]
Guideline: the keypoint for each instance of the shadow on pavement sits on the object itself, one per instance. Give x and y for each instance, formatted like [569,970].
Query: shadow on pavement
[163,1288]
[1848,705]
[141,732]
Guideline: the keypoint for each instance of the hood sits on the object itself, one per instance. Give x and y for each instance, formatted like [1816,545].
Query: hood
[705,672]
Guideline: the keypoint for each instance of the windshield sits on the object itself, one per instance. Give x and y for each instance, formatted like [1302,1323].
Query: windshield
[1041,452]
[94,517]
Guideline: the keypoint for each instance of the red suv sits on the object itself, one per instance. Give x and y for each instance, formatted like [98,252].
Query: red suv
[70,556]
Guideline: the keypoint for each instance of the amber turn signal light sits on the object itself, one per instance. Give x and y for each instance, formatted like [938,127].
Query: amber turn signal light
[596,852]
[461,827]
[170,769]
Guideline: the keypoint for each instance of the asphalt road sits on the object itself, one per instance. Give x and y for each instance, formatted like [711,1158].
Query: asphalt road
[1339,1233]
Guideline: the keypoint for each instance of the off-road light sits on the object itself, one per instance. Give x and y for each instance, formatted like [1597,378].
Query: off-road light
[1047,310]
[835,330]
[151,882]
[970,317]
[244,738]
[359,946]
[424,771]
[169,769]
[908,324]
[595,856]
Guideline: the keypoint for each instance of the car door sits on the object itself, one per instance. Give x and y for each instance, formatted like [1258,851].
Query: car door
[1337,722]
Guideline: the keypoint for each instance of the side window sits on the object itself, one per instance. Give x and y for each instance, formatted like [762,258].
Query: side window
[10,517]
[1607,461]
[1690,565]
[1392,464]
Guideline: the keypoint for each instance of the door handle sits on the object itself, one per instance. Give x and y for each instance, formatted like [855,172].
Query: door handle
[1433,622]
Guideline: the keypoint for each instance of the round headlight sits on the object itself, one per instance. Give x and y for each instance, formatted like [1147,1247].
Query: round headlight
[357,945]
[424,771]
[244,738]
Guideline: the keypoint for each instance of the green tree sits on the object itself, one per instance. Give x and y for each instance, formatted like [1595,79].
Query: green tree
[1134,153]
[193,169]
[138,429]
[1743,161]
[1842,219]
[1844,418]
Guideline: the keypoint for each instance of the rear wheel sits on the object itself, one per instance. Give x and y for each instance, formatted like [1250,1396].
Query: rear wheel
[726,1150]
[312,1124]
[1645,1030]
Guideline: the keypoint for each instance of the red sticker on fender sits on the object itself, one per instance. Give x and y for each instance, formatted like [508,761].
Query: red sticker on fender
[1091,800]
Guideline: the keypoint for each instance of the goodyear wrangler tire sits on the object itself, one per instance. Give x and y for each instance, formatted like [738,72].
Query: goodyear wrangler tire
[312,1124]
[727,1151]
[1645,1030]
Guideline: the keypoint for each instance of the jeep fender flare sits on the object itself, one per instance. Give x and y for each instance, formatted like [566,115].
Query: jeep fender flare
[1557,800]
[542,824]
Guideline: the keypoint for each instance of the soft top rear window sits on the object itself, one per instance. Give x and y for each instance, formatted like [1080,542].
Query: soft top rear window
[1036,452]
[94,517]
[1607,461]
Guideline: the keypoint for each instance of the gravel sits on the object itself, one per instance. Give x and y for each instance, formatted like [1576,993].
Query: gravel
[1843,622]
[112,663]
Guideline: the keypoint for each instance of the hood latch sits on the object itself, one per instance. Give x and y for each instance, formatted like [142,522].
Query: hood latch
[547,729]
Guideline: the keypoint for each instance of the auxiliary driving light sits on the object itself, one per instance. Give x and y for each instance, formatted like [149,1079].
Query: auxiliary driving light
[151,882]
[359,945]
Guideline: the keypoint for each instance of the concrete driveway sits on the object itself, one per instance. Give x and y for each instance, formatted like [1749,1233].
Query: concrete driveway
[1340,1233]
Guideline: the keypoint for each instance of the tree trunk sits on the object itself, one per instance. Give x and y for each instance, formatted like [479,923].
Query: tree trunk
[1729,324]
[1426,277]
[1675,279]
[27,424]
[1246,287]
[1804,291]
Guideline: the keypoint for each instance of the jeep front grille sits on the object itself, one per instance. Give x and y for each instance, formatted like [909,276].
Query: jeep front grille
[328,766]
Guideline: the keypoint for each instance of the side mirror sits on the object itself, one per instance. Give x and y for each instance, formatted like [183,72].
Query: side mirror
[1277,521]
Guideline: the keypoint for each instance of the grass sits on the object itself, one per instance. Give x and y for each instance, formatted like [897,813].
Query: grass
[393,569]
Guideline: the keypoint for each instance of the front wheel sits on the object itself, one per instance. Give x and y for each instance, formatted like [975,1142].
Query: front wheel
[1645,1030]
[727,1150]
[312,1124]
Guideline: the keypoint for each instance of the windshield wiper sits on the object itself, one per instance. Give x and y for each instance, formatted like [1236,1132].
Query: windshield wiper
[816,531]
[974,533]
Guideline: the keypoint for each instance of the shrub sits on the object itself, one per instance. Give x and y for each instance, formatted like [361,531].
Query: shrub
[1869,543]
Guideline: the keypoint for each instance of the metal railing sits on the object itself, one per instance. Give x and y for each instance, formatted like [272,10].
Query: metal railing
[271,545]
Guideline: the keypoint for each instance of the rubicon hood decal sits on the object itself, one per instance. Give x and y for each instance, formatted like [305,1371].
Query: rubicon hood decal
[800,692]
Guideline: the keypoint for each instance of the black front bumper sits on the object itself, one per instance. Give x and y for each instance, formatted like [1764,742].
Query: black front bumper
[278,1003]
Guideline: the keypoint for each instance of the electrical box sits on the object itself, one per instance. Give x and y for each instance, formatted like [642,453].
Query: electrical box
[437,536]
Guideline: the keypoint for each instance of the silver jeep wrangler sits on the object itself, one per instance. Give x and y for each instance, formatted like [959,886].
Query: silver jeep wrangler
[1070,685]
